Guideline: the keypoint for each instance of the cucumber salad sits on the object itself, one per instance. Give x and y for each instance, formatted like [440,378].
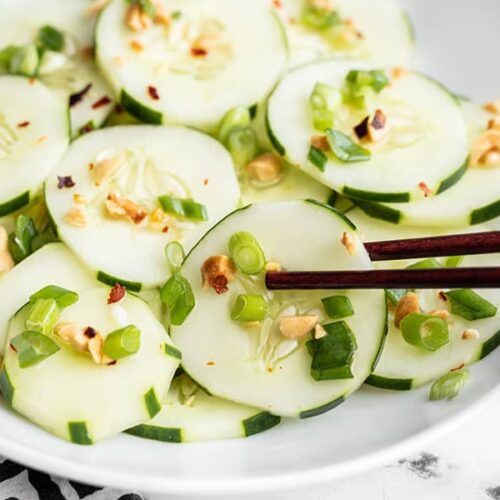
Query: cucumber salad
[159,157]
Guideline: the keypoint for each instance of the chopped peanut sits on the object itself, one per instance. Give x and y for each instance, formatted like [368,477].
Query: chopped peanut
[492,107]
[484,147]
[440,313]
[297,327]
[347,241]
[136,45]
[320,142]
[470,334]
[157,219]
[399,73]
[105,169]
[6,260]
[136,19]
[265,168]
[217,272]
[162,16]
[95,347]
[79,199]
[273,267]
[76,216]
[96,6]
[409,304]
[319,332]
[121,207]
[494,123]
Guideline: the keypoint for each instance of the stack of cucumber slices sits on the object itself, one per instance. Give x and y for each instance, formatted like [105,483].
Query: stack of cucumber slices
[158,157]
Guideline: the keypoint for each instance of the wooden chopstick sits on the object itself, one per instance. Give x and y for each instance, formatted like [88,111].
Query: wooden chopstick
[465,277]
[437,246]
[458,244]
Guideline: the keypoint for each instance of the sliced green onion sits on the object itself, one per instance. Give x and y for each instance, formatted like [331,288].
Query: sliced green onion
[6,55]
[50,38]
[325,97]
[424,331]
[25,61]
[449,385]
[338,306]
[178,296]
[454,261]
[426,264]
[249,308]
[243,145]
[42,239]
[236,118]
[33,347]
[183,207]
[21,240]
[64,298]
[317,158]
[394,295]
[323,119]
[345,149]
[174,252]
[123,342]
[319,19]
[246,253]
[359,85]
[470,305]
[43,316]
[333,355]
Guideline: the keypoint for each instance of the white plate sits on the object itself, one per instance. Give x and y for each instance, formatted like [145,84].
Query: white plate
[372,427]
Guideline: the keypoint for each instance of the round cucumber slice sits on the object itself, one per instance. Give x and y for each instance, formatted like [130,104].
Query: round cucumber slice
[473,200]
[33,138]
[191,415]
[71,396]
[69,72]
[387,35]
[53,264]
[250,366]
[403,366]
[153,161]
[174,79]
[427,144]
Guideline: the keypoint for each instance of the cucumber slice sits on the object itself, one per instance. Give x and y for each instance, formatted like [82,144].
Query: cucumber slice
[473,200]
[404,367]
[53,264]
[234,362]
[67,73]
[387,33]
[293,185]
[192,89]
[190,415]
[159,160]
[428,118]
[33,138]
[71,396]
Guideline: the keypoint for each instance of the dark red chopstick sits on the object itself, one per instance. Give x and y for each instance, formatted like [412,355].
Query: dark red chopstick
[466,277]
[440,246]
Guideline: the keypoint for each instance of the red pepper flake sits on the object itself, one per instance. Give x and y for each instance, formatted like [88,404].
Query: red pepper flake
[90,332]
[91,166]
[199,52]
[88,127]
[23,124]
[119,109]
[165,230]
[205,182]
[31,81]
[13,348]
[443,296]
[75,98]
[211,363]
[153,93]
[379,120]
[112,363]
[116,293]
[219,284]
[361,129]
[87,52]
[65,182]
[103,101]
[270,370]
[425,188]
[456,369]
